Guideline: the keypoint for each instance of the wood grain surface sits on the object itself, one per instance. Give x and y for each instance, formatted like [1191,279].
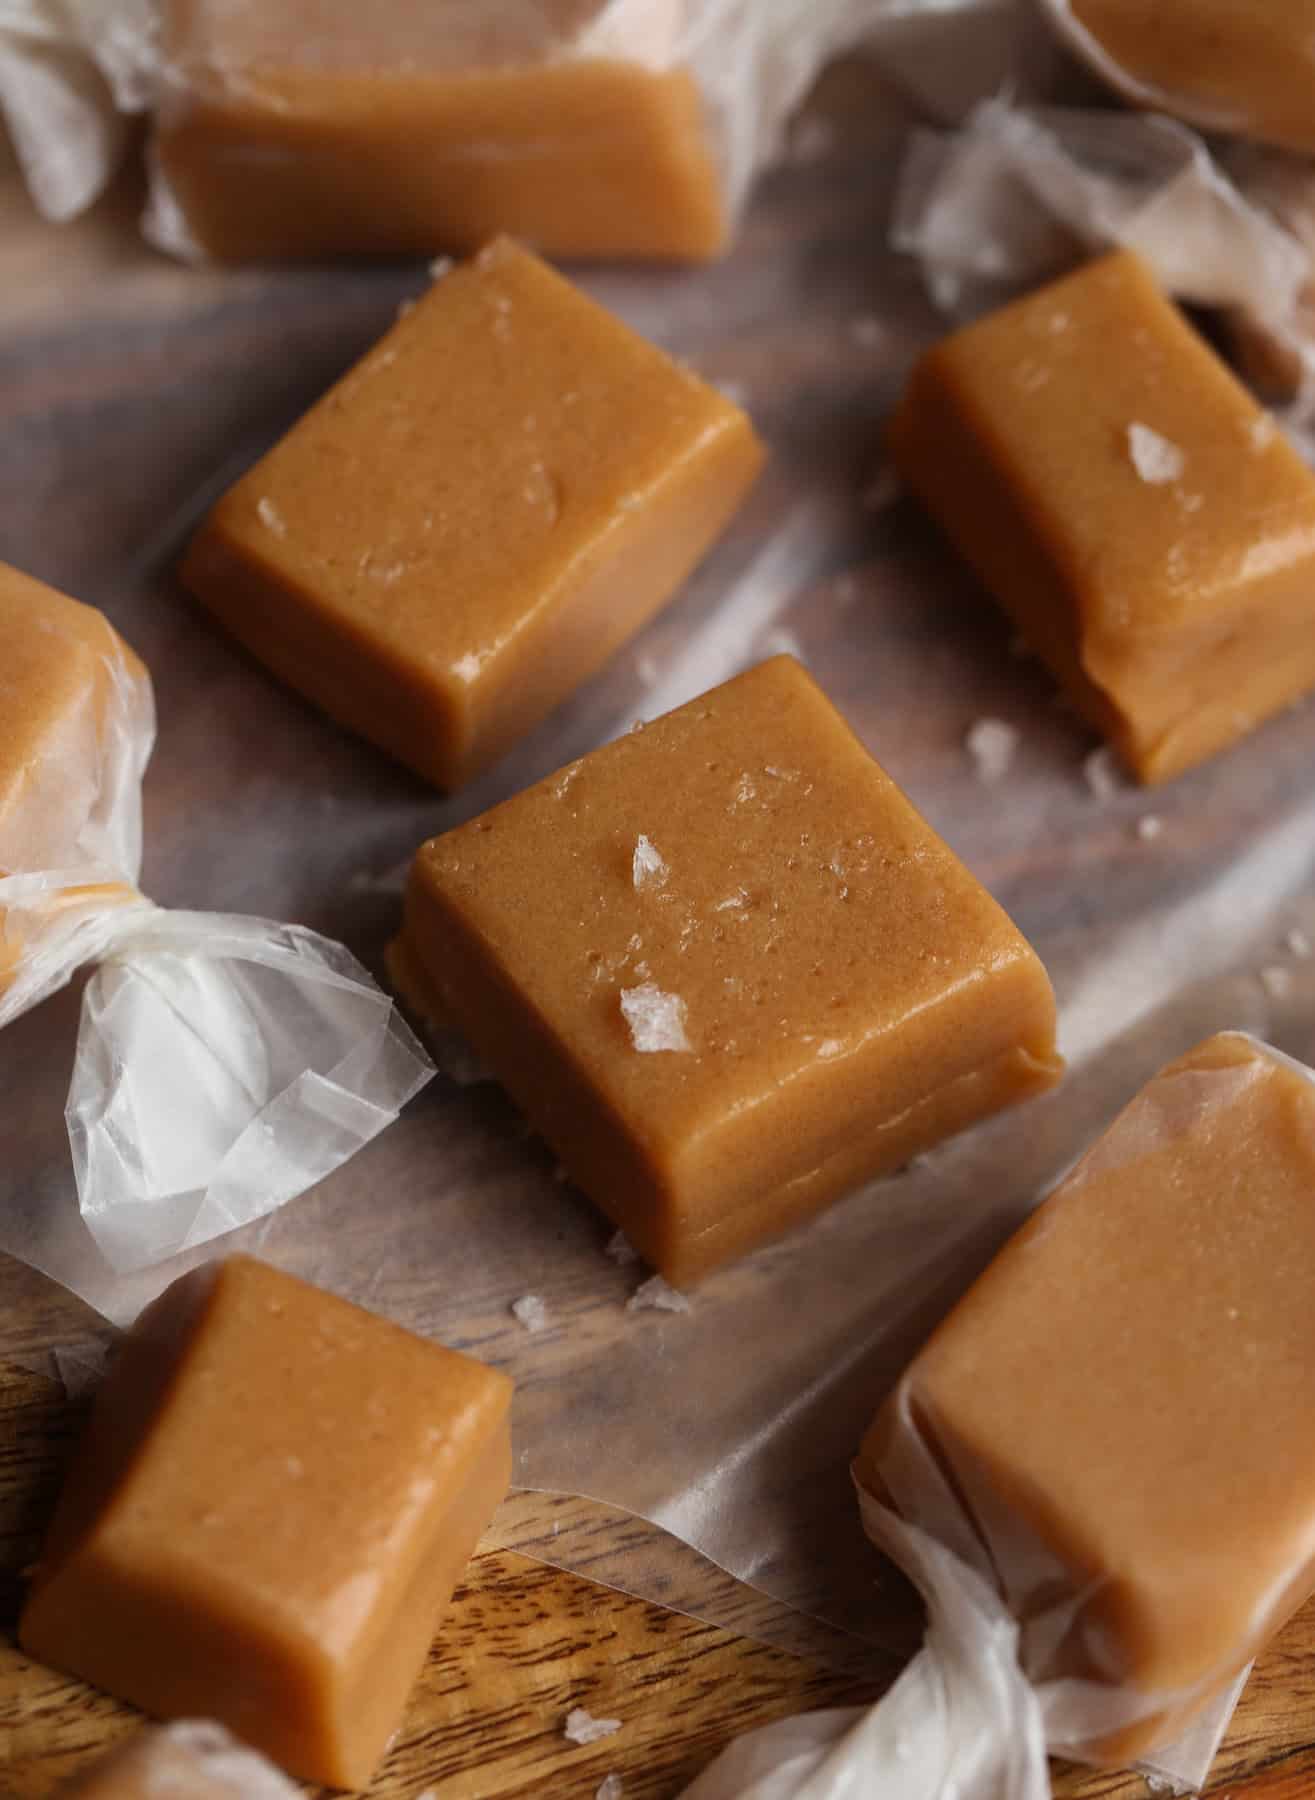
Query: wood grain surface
[105,347]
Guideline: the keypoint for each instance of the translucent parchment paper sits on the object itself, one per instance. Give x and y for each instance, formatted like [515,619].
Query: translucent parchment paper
[1161,917]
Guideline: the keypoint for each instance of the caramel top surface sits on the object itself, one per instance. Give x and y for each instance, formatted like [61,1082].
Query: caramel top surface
[744,860]
[1137,1368]
[438,496]
[389,36]
[301,1454]
[1251,67]
[1159,486]
[55,666]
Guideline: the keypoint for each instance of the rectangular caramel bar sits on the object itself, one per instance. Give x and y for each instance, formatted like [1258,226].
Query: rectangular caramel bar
[273,1501]
[727,970]
[1123,1400]
[326,127]
[506,488]
[1146,525]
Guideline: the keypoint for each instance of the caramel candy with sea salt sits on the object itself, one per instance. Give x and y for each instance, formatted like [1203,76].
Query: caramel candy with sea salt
[325,127]
[726,969]
[192,1760]
[275,1496]
[1124,1398]
[505,489]
[1145,524]
[1236,68]
[59,662]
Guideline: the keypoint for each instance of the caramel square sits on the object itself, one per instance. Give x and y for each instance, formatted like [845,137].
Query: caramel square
[1142,520]
[1124,1398]
[465,528]
[726,969]
[275,1497]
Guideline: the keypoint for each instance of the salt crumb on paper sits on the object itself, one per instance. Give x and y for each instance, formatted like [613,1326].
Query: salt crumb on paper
[441,266]
[648,866]
[658,1295]
[1298,944]
[582,1727]
[620,1249]
[531,1312]
[992,744]
[610,1788]
[1102,774]
[1149,827]
[656,1020]
[1276,981]
[1155,459]
[270,516]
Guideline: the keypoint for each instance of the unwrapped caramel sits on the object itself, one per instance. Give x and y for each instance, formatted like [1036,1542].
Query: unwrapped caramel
[506,488]
[1121,1405]
[273,1501]
[327,127]
[726,969]
[1145,523]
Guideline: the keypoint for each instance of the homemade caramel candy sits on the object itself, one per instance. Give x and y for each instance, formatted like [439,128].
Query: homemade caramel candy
[61,665]
[1243,69]
[1123,1400]
[1145,524]
[327,127]
[726,969]
[273,1501]
[476,517]
[192,1760]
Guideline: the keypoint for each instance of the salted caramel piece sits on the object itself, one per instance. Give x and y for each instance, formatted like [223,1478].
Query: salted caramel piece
[192,1760]
[59,665]
[326,127]
[1124,1398]
[472,521]
[727,970]
[1143,521]
[275,1496]
[1243,69]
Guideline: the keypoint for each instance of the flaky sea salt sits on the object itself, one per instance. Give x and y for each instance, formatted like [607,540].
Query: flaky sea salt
[225,1764]
[582,1727]
[610,1788]
[1149,827]
[1276,981]
[655,1294]
[656,1020]
[1298,944]
[1101,772]
[868,333]
[991,743]
[620,1249]
[531,1312]
[1155,459]
[270,516]
[441,266]
[648,866]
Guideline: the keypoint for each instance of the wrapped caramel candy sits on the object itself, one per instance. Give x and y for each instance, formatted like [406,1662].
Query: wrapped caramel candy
[1096,1470]
[223,1064]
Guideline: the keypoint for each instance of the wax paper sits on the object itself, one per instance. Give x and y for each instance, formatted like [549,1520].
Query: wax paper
[1161,916]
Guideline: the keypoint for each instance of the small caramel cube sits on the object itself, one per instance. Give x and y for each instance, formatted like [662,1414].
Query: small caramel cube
[1124,498]
[1124,1399]
[726,969]
[328,127]
[59,665]
[192,1760]
[274,1499]
[476,517]
[1237,68]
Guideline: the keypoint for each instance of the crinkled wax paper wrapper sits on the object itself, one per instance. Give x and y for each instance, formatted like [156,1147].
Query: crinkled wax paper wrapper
[1161,916]
[223,1064]
[70,70]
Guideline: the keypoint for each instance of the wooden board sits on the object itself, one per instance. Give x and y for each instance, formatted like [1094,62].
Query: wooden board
[80,316]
